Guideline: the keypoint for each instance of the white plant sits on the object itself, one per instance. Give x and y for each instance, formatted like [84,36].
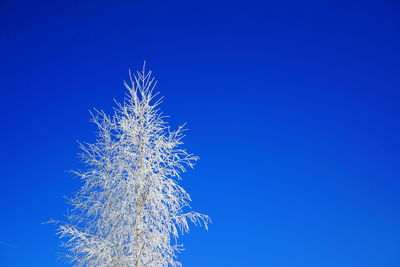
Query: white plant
[131,210]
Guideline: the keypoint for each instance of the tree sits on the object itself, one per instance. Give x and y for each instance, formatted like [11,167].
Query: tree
[131,210]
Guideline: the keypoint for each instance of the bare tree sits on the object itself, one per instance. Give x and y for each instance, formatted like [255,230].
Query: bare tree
[131,210]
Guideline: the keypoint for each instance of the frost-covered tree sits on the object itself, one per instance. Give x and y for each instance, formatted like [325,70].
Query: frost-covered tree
[131,210]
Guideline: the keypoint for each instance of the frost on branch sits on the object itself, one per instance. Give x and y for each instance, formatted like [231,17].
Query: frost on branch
[130,209]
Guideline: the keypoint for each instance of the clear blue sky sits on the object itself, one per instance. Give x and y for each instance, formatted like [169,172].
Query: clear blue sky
[293,108]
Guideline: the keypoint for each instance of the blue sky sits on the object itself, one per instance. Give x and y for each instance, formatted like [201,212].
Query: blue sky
[292,107]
